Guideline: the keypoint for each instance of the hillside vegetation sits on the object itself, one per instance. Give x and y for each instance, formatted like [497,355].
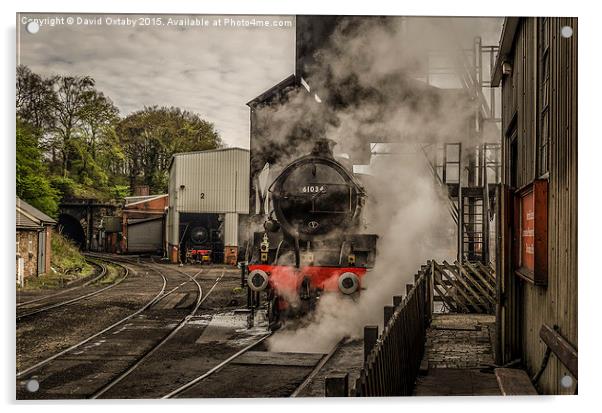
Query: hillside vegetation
[73,141]
[66,264]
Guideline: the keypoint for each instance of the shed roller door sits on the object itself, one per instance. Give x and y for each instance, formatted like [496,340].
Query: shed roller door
[145,236]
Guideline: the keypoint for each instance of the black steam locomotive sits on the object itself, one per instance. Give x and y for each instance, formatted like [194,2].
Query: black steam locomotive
[312,242]
[201,239]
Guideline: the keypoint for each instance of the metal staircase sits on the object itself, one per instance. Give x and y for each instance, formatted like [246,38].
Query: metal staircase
[468,172]
[470,192]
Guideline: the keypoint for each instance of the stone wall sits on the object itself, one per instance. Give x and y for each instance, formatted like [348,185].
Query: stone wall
[27,250]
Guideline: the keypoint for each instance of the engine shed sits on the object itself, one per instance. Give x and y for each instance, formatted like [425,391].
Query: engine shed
[208,191]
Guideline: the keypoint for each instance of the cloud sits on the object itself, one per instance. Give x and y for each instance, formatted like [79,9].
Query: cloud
[213,71]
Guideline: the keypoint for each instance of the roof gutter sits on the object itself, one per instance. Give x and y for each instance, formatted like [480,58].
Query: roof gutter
[506,46]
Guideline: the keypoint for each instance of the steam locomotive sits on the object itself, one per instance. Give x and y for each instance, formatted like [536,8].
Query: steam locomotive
[201,239]
[311,243]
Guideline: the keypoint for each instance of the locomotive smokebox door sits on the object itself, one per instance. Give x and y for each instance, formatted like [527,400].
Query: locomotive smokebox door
[315,196]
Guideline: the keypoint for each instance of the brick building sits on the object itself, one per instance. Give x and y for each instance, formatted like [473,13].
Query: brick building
[143,223]
[34,231]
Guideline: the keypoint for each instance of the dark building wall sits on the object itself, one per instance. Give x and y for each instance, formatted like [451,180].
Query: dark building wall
[540,142]
[274,143]
[311,33]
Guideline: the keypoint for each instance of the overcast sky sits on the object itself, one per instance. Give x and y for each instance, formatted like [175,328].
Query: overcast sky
[210,70]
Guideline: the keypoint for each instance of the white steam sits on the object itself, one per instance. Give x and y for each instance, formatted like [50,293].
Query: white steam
[372,67]
[408,213]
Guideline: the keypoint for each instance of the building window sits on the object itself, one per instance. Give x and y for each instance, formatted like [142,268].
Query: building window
[543,135]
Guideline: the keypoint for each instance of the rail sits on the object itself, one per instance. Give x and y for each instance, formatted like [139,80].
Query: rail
[465,287]
[391,367]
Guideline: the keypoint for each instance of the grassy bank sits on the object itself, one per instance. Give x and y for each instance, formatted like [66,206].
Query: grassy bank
[66,264]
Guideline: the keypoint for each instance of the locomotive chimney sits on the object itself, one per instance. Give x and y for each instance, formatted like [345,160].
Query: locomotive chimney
[323,147]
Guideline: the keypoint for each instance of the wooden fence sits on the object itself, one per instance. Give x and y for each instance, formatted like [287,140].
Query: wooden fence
[392,359]
[464,288]
[391,367]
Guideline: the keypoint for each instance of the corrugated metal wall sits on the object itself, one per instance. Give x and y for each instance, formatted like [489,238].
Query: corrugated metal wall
[173,224]
[231,230]
[556,303]
[145,236]
[211,181]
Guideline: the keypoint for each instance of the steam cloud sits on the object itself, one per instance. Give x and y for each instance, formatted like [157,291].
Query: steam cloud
[368,72]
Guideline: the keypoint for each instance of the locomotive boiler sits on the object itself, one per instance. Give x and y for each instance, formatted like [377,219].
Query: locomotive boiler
[312,242]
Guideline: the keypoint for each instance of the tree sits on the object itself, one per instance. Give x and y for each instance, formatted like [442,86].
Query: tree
[73,95]
[151,136]
[72,142]
[36,99]
[32,183]
[99,116]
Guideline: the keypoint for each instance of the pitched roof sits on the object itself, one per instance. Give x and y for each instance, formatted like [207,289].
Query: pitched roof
[506,43]
[268,94]
[33,214]
[24,222]
[179,154]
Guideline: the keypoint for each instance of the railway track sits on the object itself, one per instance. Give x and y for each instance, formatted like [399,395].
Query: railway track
[215,369]
[49,359]
[101,274]
[232,359]
[74,299]
[318,367]
[140,355]
[111,330]
[200,299]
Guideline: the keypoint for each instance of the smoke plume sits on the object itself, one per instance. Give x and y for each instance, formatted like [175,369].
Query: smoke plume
[370,74]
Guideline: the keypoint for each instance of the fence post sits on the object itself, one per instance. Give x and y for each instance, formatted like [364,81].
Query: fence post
[388,313]
[337,386]
[397,299]
[431,287]
[409,288]
[370,338]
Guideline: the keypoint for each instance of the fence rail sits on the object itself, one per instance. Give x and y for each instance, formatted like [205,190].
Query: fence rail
[465,288]
[391,367]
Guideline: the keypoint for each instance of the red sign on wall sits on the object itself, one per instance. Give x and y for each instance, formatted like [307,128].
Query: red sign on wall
[531,229]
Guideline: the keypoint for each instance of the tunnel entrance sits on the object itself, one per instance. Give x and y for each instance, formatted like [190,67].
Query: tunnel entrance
[70,227]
